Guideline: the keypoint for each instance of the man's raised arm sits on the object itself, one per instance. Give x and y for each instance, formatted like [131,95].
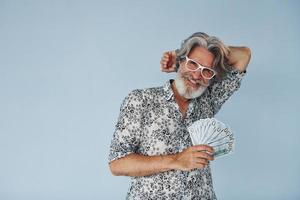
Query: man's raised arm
[239,57]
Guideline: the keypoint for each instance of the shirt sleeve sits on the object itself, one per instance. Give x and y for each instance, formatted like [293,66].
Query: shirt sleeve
[126,137]
[220,91]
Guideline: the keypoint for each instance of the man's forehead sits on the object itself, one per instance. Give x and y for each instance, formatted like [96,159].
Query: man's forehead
[202,56]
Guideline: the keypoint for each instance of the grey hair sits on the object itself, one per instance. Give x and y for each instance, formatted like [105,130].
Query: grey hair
[212,44]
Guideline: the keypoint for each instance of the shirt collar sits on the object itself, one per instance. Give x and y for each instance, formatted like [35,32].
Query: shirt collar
[168,90]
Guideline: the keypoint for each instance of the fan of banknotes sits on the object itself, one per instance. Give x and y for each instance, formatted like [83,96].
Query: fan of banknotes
[214,133]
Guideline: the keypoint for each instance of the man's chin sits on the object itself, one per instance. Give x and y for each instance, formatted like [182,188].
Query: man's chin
[189,91]
[194,93]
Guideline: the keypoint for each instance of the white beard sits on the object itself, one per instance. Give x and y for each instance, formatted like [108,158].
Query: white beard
[184,91]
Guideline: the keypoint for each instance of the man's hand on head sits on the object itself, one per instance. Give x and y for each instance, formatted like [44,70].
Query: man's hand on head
[168,62]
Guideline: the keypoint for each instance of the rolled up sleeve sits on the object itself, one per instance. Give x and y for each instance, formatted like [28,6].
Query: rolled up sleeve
[126,137]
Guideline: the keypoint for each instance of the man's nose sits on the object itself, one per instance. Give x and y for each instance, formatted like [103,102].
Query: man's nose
[197,75]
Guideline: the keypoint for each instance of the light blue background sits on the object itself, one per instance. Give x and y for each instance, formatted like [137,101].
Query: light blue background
[65,67]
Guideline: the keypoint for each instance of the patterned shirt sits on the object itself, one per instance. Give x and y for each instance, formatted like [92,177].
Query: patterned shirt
[150,123]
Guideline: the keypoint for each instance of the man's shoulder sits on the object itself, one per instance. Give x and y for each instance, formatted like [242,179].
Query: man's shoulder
[150,91]
[146,93]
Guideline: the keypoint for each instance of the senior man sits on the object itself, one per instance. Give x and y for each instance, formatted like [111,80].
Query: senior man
[151,143]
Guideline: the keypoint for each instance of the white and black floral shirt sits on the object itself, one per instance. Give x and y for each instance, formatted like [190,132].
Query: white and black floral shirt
[150,123]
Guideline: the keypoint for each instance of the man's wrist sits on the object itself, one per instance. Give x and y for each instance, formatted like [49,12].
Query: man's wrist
[169,161]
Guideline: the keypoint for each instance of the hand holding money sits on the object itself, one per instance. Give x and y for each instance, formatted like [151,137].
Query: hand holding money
[193,157]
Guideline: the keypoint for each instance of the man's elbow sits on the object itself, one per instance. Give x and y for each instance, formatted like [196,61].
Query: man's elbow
[114,168]
[247,53]
[248,50]
[244,61]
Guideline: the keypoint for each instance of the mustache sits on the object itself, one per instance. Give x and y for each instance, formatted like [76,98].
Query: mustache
[199,81]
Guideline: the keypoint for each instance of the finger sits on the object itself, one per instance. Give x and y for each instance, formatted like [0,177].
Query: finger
[163,68]
[173,53]
[203,147]
[165,54]
[203,155]
[163,63]
[201,160]
[170,56]
[165,59]
[199,165]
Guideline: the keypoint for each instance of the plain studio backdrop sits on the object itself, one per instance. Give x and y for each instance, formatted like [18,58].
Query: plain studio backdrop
[66,66]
